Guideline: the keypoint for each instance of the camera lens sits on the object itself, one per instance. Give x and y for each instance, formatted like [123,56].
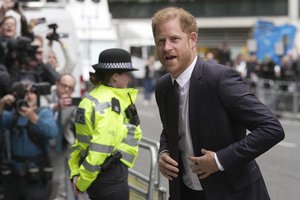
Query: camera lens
[21,103]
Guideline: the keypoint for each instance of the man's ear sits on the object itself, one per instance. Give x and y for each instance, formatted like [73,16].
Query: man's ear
[193,39]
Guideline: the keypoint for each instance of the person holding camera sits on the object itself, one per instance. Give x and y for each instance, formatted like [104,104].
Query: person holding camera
[54,37]
[62,104]
[107,131]
[44,71]
[29,167]
[63,107]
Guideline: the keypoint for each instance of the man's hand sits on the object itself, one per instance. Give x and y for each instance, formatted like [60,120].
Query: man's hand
[167,166]
[205,165]
[29,113]
[8,99]
[65,101]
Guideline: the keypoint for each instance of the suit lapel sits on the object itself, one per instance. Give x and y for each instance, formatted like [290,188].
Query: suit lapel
[194,99]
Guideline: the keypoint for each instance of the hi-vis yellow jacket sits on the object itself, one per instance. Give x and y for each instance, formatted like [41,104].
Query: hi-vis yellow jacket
[102,128]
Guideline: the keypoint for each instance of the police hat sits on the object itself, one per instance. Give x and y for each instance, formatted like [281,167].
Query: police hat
[111,60]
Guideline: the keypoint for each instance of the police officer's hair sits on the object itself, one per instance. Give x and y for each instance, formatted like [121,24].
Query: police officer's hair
[105,76]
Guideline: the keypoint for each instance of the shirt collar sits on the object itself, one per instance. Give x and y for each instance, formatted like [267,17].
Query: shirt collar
[185,76]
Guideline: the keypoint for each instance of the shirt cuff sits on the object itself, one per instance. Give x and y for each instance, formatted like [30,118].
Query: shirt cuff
[221,168]
[163,151]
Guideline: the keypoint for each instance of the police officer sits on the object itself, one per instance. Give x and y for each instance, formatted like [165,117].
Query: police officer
[30,129]
[107,131]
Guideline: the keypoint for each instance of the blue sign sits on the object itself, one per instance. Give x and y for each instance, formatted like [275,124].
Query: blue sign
[268,36]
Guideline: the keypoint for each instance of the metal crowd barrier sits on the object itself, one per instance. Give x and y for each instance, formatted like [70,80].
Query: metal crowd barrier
[282,97]
[143,187]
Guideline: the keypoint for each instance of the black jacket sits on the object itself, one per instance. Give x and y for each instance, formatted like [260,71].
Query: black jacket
[221,109]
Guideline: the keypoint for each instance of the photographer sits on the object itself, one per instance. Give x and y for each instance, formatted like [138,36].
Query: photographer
[45,71]
[23,60]
[53,38]
[31,127]
[62,105]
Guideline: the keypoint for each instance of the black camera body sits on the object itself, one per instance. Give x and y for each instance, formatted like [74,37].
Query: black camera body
[76,101]
[54,35]
[42,88]
[20,89]
[23,48]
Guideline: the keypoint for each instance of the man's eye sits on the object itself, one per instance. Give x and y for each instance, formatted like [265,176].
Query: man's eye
[175,39]
[160,42]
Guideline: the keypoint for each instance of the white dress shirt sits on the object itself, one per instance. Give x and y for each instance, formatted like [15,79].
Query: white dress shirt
[190,179]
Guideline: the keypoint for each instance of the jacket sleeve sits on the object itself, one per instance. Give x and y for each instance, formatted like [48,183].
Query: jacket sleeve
[265,129]
[69,64]
[46,125]
[6,118]
[83,137]
[4,80]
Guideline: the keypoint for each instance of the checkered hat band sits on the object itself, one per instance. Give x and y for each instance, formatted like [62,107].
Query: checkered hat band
[115,65]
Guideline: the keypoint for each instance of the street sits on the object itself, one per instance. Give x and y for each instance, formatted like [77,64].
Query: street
[279,165]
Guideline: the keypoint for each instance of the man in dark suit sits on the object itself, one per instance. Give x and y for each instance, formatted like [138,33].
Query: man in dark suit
[205,151]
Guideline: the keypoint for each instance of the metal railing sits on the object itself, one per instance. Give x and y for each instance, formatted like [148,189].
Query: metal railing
[152,184]
[282,97]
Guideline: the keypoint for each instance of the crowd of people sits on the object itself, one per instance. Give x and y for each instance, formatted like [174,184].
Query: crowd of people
[37,111]
[251,68]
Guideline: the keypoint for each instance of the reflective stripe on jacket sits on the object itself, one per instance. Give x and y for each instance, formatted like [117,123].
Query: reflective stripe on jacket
[102,128]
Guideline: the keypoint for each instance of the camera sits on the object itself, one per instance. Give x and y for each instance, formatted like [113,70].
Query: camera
[19,90]
[76,101]
[54,35]
[23,49]
[42,88]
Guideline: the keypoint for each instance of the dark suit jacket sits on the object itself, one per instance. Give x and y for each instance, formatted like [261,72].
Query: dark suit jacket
[221,109]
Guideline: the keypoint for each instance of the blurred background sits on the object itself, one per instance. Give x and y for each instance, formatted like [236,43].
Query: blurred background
[258,38]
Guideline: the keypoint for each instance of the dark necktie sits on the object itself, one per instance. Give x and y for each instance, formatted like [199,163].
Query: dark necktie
[172,120]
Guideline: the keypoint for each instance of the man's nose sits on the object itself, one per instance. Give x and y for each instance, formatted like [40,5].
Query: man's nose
[168,45]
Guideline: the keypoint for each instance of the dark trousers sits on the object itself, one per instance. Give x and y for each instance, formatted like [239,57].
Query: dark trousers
[20,188]
[189,194]
[111,184]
